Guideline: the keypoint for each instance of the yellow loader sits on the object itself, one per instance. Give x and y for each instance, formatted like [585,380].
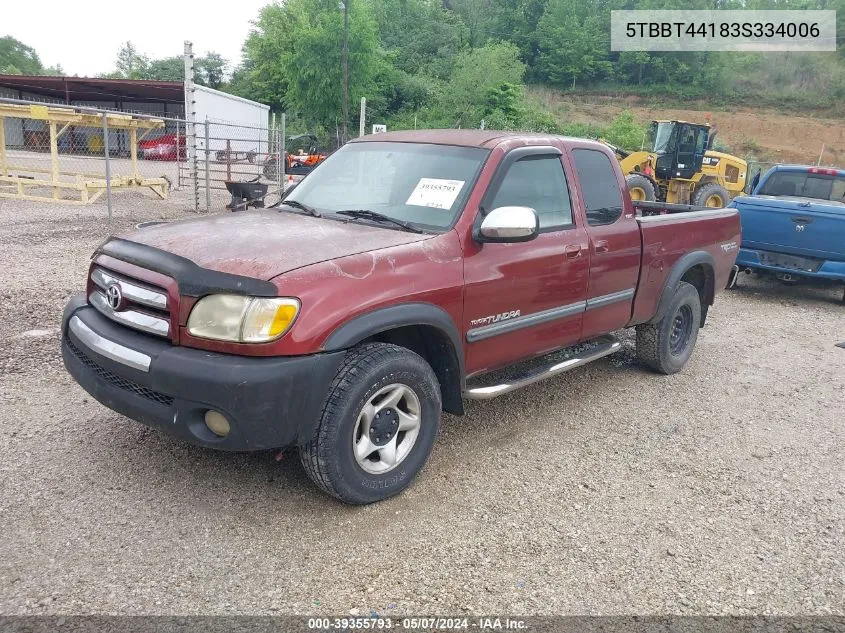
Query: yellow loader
[681,167]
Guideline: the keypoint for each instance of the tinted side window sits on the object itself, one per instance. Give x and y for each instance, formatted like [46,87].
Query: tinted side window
[602,197]
[538,183]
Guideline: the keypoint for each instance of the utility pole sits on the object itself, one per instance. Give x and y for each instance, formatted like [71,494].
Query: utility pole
[345,68]
[190,122]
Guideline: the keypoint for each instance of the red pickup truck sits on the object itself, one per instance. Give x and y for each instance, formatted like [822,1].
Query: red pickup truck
[406,273]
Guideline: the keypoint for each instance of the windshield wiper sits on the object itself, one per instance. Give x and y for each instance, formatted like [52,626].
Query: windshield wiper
[375,216]
[298,205]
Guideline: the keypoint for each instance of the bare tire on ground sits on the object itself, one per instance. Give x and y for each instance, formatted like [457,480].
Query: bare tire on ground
[377,427]
[640,187]
[711,195]
[666,346]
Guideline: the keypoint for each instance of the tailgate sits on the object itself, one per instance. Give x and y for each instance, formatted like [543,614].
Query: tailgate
[796,227]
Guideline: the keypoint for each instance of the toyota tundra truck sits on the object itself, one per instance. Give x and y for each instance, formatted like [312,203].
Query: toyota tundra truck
[406,274]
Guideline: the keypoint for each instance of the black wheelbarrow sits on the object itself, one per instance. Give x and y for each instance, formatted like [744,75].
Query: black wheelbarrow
[246,194]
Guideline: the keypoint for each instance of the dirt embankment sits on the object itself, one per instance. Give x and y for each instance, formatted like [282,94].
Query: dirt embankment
[765,134]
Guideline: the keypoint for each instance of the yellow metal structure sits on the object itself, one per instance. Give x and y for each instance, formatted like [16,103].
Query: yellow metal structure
[21,181]
[681,168]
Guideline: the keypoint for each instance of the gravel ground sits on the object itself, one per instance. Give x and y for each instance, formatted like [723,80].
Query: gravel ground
[610,490]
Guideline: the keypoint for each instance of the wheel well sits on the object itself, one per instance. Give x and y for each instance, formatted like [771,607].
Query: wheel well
[436,348]
[701,276]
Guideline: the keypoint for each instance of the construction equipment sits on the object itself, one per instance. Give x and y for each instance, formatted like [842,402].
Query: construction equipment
[302,154]
[681,167]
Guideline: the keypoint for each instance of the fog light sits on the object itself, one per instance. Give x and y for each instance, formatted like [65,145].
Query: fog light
[217,423]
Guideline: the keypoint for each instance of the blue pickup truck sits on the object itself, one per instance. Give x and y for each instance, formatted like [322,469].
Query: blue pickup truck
[793,224]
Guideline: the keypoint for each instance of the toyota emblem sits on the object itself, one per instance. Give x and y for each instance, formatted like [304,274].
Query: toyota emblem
[114,296]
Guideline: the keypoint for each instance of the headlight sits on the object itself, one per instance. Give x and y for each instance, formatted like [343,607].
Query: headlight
[241,319]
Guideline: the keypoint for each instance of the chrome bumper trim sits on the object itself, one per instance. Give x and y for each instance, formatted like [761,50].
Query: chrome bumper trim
[107,348]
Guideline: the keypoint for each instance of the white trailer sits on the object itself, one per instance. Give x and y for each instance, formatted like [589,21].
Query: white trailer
[234,123]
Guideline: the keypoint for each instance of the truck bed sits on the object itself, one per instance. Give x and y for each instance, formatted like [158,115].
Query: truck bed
[672,231]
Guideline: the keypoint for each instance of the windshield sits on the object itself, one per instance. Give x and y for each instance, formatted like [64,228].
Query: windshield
[805,185]
[426,185]
[660,137]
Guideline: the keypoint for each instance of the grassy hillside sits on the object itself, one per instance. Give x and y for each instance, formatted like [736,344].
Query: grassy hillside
[759,133]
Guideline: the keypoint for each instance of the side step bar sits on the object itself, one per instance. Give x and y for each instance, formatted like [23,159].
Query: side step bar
[602,346]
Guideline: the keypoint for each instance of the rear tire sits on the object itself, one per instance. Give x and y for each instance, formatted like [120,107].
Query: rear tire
[667,345]
[378,425]
[640,187]
[711,195]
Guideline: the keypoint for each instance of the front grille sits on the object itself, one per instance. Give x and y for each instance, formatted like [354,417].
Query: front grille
[137,305]
[118,381]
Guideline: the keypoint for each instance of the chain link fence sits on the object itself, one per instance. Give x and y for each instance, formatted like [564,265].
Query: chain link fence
[70,154]
[235,153]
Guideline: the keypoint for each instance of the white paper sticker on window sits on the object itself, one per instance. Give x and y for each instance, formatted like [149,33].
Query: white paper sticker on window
[435,192]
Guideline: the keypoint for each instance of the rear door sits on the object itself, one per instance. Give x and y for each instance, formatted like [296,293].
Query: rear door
[527,298]
[614,236]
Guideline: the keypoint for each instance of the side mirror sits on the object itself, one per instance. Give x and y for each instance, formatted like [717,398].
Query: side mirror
[509,224]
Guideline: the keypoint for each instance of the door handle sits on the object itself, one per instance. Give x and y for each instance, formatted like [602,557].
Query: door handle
[601,246]
[572,251]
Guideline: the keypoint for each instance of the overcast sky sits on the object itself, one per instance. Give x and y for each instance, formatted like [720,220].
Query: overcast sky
[84,37]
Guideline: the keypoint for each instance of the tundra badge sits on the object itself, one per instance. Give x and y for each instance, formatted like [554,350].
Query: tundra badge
[495,318]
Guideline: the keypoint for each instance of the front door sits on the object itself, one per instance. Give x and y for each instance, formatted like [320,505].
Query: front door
[692,141]
[527,298]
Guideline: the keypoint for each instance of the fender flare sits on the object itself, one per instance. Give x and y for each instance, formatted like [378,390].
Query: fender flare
[381,320]
[695,258]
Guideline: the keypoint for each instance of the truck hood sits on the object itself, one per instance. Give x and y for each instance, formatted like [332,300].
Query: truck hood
[265,244]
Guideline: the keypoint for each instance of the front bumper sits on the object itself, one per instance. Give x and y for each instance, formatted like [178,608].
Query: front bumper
[269,402]
[829,269]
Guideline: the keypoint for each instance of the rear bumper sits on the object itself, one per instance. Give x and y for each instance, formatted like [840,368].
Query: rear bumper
[829,269]
[269,402]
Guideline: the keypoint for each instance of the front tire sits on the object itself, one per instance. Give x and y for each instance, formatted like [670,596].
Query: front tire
[667,345]
[378,425]
[640,188]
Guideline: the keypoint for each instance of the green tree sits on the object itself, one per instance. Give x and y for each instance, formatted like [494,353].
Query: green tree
[16,58]
[261,76]
[166,69]
[476,16]
[516,21]
[421,35]
[293,58]
[573,42]
[480,75]
[130,63]
[211,69]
